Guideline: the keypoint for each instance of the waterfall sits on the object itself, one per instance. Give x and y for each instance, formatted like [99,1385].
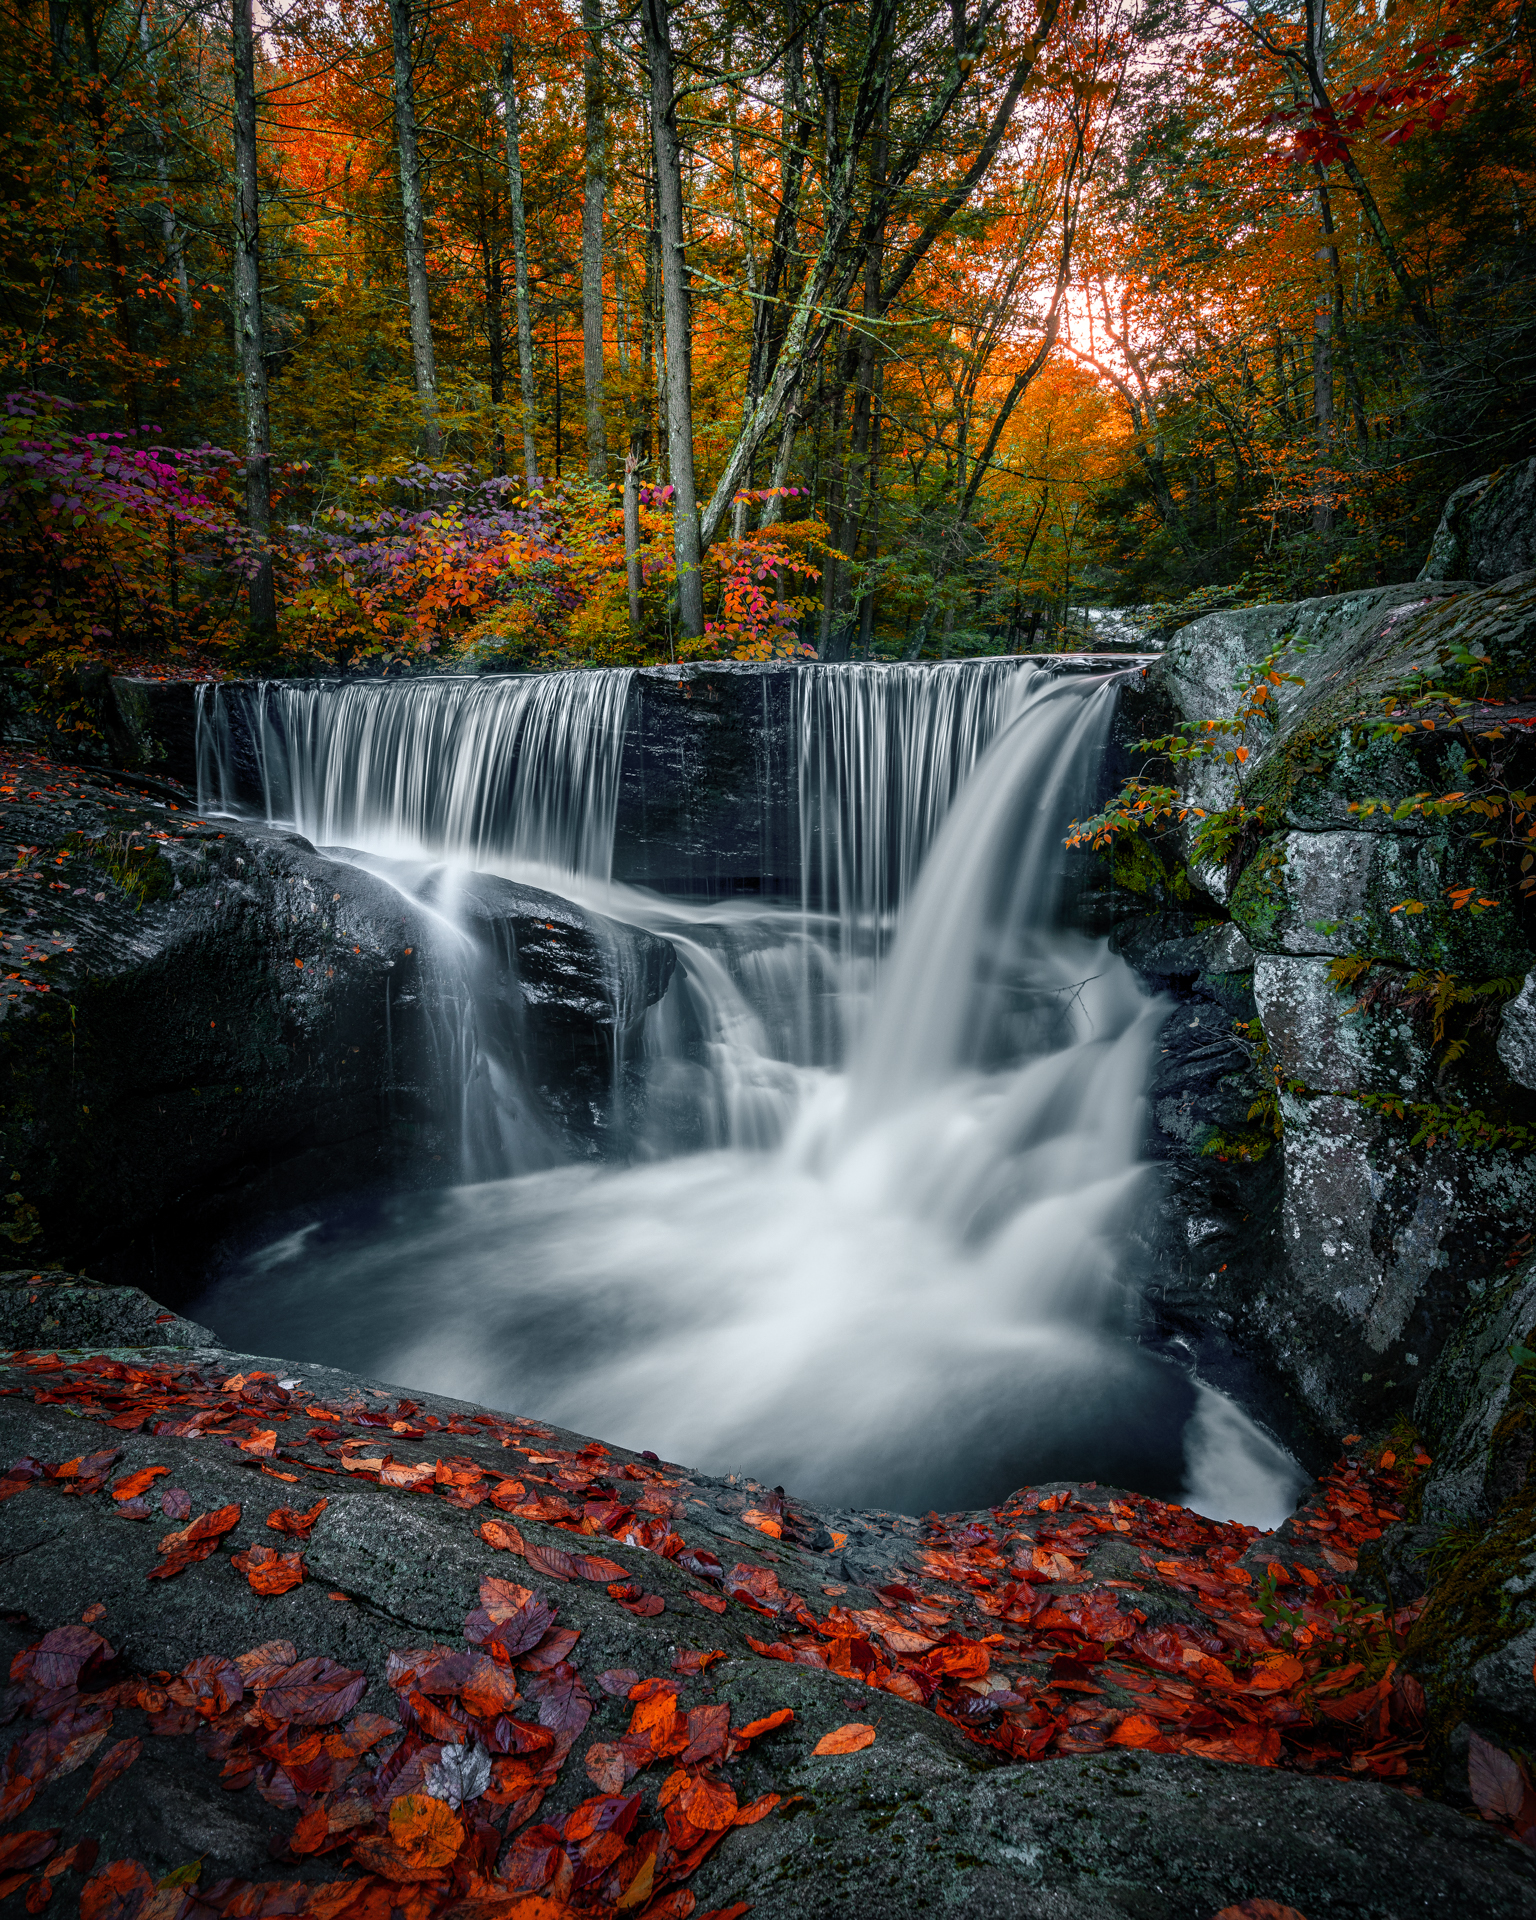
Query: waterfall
[873,1240]
[488,772]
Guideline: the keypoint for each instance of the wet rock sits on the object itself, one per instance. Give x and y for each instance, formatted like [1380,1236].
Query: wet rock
[923,1821]
[237,1023]
[1326,1039]
[1488,528]
[39,1310]
[1517,1034]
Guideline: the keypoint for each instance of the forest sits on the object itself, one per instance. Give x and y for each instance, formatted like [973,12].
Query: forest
[351,338]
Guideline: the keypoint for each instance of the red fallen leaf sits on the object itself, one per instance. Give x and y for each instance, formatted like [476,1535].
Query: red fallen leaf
[530,1862]
[314,1693]
[116,1893]
[510,1619]
[60,1657]
[758,1588]
[608,1813]
[489,1690]
[741,1737]
[268,1571]
[133,1484]
[113,1763]
[502,1534]
[176,1503]
[206,1527]
[753,1811]
[617,1680]
[733,1912]
[707,1803]
[95,1611]
[701,1563]
[771,1649]
[19,1850]
[263,1663]
[211,1684]
[287,1520]
[556,1645]
[709,1730]
[1499,1787]
[606,1767]
[852,1738]
[509,1495]
[592,1566]
[695,1660]
[1259,1909]
[554,1562]
[260,1443]
[1136,1730]
[714,1601]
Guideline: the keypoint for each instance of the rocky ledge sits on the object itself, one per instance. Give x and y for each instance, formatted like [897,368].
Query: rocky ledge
[203,1020]
[287,1641]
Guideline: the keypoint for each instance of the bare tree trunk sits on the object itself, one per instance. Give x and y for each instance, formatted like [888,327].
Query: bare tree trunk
[248,330]
[1323,305]
[175,253]
[422,358]
[655,21]
[592,237]
[490,244]
[632,536]
[519,256]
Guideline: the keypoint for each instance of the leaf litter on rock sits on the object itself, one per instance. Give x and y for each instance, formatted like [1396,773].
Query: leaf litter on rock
[1289,1668]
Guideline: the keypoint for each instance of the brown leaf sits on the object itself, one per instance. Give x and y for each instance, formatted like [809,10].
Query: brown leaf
[425,1829]
[212,1684]
[133,1484]
[288,1520]
[268,1571]
[114,1762]
[1259,1909]
[314,1693]
[1500,1790]
[606,1767]
[851,1738]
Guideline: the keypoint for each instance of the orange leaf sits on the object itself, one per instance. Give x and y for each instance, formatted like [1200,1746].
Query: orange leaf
[269,1571]
[133,1484]
[1135,1730]
[426,1829]
[116,1761]
[851,1738]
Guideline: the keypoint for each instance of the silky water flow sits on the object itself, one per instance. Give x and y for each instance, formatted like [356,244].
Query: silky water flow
[871,1240]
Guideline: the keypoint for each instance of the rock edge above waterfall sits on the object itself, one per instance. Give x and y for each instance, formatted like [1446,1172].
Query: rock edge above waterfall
[922,1818]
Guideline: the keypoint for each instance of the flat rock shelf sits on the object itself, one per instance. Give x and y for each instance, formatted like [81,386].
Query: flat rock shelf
[474,1664]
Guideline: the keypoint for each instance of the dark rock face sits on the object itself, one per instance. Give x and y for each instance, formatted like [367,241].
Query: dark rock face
[1360,1258]
[1488,528]
[238,1023]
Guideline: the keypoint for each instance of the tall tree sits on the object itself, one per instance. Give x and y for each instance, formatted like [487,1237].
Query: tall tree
[513,129]
[656,24]
[418,292]
[248,324]
[595,145]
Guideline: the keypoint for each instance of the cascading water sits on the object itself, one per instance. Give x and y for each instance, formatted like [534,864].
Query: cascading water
[872,1240]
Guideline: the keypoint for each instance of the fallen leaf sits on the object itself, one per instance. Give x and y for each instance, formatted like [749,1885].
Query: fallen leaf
[462,1773]
[1500,1790]
[114,1762]
[269,1571]
[287,1520]
[851,1738]
[425,1829]
[133,1484]
[1259,1909]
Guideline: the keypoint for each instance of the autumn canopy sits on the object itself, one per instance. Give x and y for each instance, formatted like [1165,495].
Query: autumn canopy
[544,335]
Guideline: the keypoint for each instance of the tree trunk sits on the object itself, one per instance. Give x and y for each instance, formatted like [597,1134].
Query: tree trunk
[519,256]
[496,351]
[248,329]
[175,253]
[422,357]
[592,237]
[632,537]
[677,318]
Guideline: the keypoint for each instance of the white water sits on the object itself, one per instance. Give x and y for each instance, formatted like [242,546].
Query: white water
[875,1254]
